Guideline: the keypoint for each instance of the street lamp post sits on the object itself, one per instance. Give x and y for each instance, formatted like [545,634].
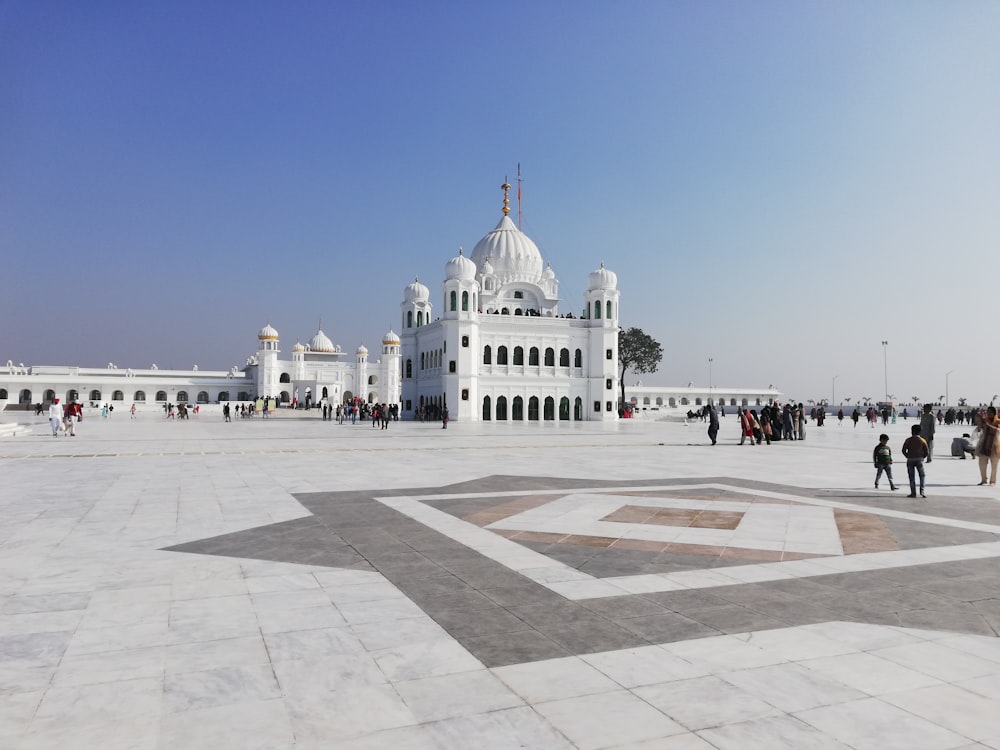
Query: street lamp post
[885,368]
[833,391]
[946,393]
[710,360]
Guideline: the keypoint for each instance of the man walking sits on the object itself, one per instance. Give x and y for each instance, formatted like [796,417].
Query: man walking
[927,426]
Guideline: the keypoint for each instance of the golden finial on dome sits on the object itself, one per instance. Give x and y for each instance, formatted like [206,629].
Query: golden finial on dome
[506,199]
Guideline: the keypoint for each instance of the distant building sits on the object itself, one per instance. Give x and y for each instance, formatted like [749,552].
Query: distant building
[316,371]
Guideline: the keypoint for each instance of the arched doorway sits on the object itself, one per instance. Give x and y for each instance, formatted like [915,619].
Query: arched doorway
[24,397]
[517,409]
[549,412]
[501,408]
[564,409]
[486,408]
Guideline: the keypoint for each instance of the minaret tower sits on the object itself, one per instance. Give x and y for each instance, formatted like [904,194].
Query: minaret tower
[602,311]
[267,362]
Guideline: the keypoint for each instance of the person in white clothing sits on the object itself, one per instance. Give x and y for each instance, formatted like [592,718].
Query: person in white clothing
[55,416]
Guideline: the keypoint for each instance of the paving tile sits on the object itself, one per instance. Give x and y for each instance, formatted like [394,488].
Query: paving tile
[450,696]
[871,724]
[501,649]
[705,702]
[964,712]
[769,733]
[600,721]
[507,729]
[555,679]
[646,665]
[667,627]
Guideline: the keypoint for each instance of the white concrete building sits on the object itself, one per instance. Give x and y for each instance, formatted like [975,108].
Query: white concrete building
[501,349]
[316,371]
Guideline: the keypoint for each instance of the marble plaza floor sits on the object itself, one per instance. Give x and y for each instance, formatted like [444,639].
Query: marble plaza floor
[292,583]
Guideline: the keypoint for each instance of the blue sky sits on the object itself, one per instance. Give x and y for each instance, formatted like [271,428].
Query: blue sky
[780,186]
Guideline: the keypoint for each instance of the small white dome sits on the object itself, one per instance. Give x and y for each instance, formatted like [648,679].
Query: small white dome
[548,273]
[321,343]
[602,278]
[416,292]
[267,333]
[362,351]
[390,339]
[298,347]
[460,268]
[486,268]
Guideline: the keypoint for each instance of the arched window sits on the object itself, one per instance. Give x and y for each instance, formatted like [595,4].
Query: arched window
[597,310]
[24,397]
[578,359]
[285,378]
[49,396]
[505,311]
[501,355]
[372,380]
[487,355]
[486,408]
[409,318]
[564,409]
[518,311]
[3,394]
[243,396]
[518,355]
[95,395]
[409,368]
[550,357]
[118,396]
[578,409]
[161,395]
[607,313]
[517,409]
[284,397]
[732,402]
[501,408]
[223,396]
[645,401]
[549,412]
[518,295]
[182,397]
[533,356]
[684,401]
[72,395]
[141,396]
[453,301]
[564,357]
[202,397]
[420,318]
[672,402]
[533,409]
[697,402]
[465,302]
[744,402]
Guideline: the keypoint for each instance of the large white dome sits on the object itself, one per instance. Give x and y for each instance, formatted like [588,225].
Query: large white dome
[512,254]
[268,333]
[321,343]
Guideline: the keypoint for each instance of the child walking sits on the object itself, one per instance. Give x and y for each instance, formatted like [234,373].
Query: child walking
[882,458]
[915,449]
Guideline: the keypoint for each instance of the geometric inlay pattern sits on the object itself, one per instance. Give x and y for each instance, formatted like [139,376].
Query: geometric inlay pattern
[490,560]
